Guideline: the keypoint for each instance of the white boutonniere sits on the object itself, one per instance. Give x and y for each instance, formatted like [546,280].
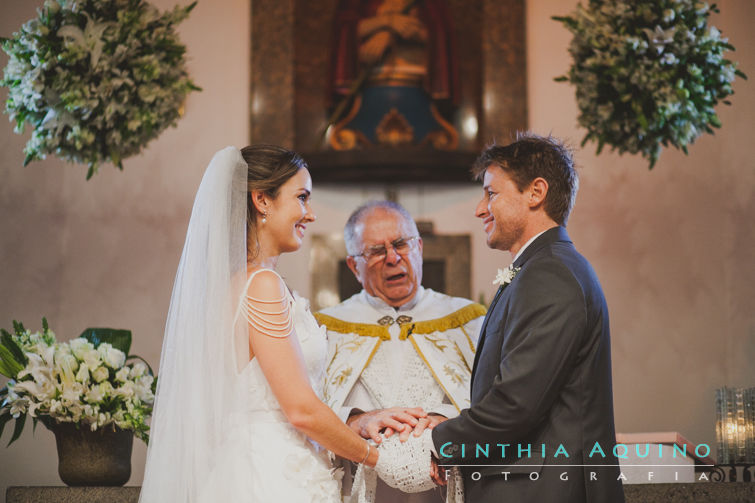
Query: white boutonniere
[506,276]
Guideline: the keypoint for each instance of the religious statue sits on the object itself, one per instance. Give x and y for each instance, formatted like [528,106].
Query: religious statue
[393,66]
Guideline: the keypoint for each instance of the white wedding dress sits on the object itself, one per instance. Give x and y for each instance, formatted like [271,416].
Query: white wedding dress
[264,458]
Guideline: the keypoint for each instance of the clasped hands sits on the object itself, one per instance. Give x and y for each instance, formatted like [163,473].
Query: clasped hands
[404,420]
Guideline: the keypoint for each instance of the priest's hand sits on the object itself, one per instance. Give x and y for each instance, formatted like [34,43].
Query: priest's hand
[371,424]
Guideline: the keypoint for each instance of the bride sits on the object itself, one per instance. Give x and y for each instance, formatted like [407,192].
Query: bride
[237,414]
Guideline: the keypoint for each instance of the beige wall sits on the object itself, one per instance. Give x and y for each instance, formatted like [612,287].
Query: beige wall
[673,247]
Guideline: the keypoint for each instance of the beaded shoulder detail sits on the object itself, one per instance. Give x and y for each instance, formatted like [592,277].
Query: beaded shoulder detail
[271,317]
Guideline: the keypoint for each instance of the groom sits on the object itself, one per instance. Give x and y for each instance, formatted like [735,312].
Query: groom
[542,405]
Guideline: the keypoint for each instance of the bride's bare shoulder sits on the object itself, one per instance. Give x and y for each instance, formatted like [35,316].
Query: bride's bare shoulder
[265,284]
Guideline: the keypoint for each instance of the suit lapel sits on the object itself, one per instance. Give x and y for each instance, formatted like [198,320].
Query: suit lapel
[481,340]
[545,239]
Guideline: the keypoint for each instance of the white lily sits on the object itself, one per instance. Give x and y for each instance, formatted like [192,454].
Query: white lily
[82,375]
[71,394]
[19,407]
[67,366]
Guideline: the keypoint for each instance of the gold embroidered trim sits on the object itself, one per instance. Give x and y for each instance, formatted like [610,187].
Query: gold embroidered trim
[347,327]
[430,367]
[469,339]
[453,320]
[336,382]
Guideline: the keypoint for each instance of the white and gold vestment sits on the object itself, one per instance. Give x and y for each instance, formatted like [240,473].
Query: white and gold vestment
[419,355]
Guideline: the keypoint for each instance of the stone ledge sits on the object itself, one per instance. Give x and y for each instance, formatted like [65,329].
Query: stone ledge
[712,492]
[54,494]
[699,492]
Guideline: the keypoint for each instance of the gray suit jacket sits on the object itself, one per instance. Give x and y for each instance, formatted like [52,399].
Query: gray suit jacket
[541,388]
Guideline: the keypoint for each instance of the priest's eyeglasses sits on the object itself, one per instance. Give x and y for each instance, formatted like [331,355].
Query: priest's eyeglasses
[378,253]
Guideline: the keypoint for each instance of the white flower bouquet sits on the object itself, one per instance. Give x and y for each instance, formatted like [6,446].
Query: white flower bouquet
[647,73]
[96,79]
[85,381]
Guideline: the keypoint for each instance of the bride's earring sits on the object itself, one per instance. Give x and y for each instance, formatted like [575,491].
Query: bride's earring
[264,217]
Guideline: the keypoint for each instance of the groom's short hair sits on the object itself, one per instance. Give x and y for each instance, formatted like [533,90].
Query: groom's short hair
[532,156]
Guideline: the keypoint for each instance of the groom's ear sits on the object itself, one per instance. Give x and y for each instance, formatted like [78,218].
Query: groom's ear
[538,190]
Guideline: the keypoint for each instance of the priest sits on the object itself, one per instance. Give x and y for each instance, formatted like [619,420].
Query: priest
[396,345]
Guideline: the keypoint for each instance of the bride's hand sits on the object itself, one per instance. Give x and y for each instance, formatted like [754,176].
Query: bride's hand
[370,424]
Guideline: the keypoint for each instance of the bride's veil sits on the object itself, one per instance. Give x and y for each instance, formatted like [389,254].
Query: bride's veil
[198,371]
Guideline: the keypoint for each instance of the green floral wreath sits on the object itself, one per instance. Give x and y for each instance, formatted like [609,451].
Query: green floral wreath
[96,79]
[647,73]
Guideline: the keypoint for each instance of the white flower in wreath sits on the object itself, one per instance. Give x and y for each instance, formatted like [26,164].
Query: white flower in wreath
[506,276]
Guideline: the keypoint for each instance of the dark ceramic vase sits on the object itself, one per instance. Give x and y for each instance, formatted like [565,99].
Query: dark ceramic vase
[93,458]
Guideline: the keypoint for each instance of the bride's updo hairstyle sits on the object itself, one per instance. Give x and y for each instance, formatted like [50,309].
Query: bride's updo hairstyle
[269,167]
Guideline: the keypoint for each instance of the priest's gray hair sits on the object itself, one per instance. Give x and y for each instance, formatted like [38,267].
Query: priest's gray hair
[352,232]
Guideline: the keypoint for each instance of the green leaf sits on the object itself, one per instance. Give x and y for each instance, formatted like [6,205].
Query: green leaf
[5,370]
[18,429]
[601,143]
[18,327]
[28,159]
[9,367]
[15,350]
[569,22]
[562,78]
[90,172]
[118,338]
[740,73]
[4,418]
[34,422]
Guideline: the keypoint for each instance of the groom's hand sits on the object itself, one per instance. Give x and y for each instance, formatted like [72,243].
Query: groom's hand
[425,423]
[370,424]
